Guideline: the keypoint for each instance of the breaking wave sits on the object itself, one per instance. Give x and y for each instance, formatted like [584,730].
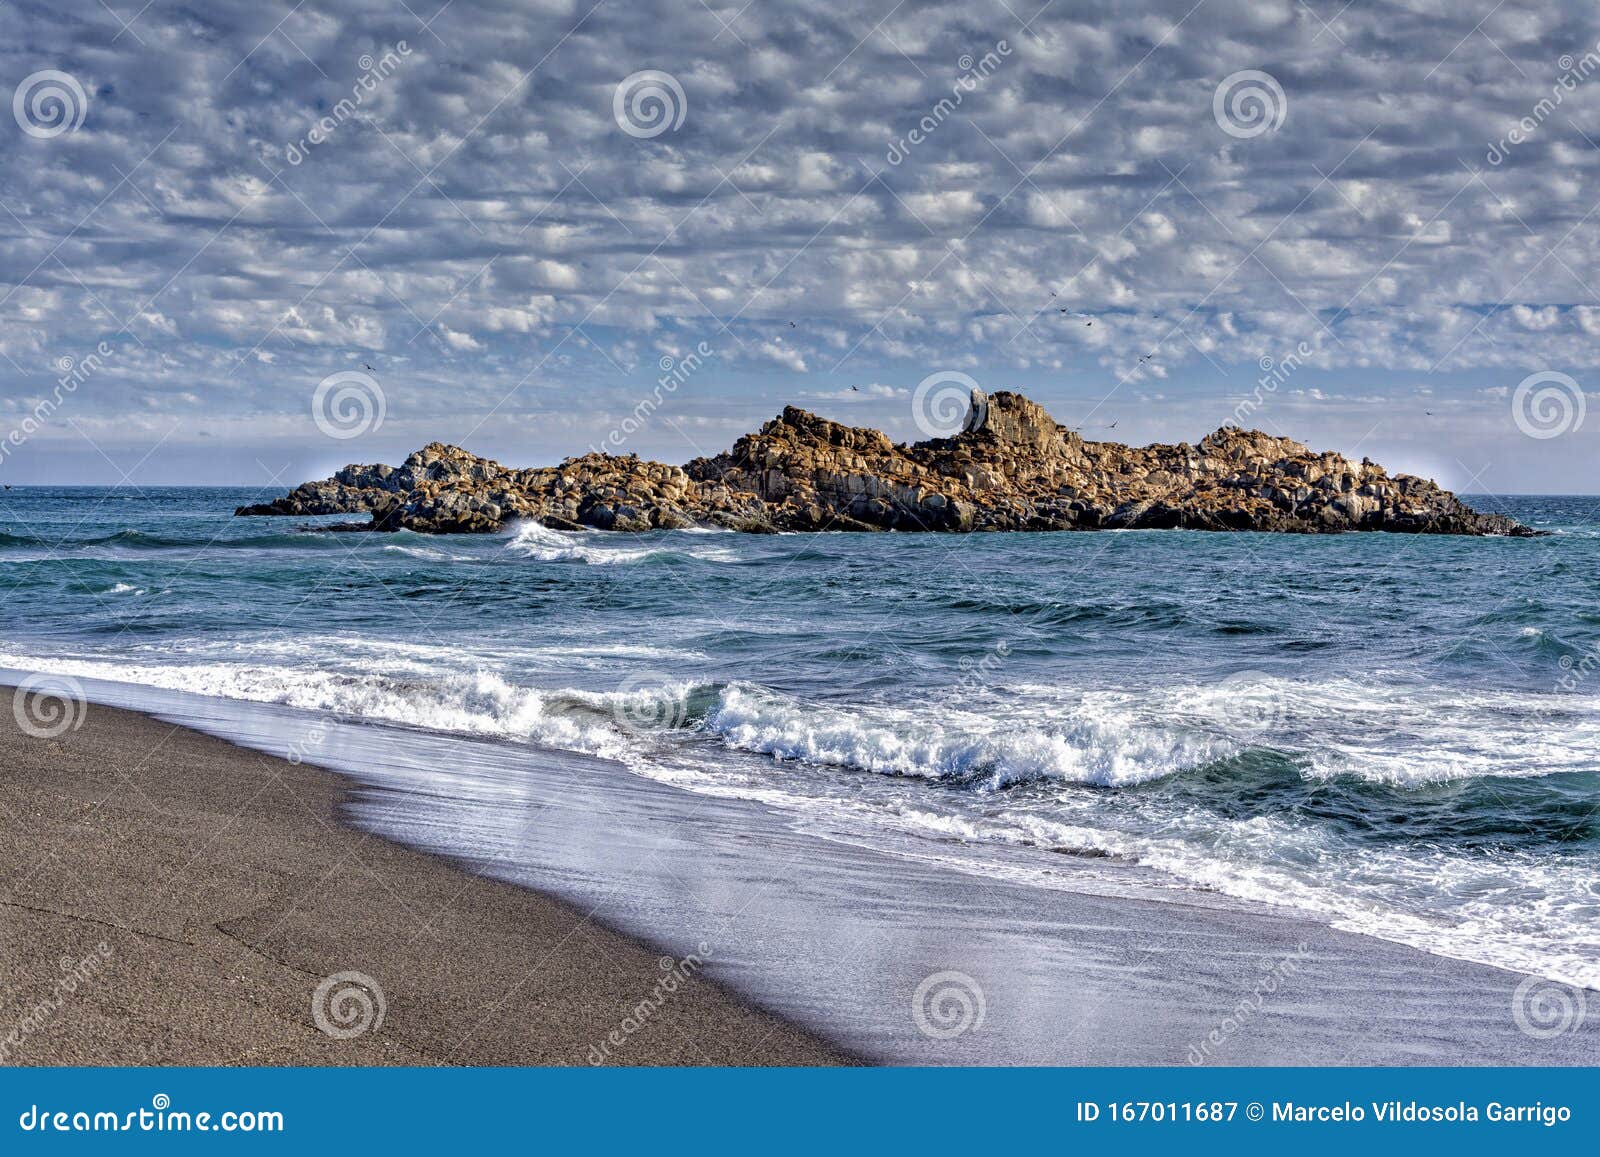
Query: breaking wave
[1086,745]
[535,541]
[1193,781]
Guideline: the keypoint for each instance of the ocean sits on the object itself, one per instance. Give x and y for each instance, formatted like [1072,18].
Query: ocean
[1395,736]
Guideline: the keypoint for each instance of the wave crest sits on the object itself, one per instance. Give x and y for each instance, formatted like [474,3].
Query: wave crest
[1087,745]
[538,542]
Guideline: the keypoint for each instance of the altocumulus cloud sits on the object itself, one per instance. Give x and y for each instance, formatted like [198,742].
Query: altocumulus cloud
[246,198]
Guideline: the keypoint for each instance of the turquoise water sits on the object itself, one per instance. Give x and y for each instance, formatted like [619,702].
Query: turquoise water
[1398,735]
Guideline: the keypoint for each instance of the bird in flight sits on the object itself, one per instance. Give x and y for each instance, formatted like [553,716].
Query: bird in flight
[1113,425]
[857,389]
[791,325]
[369,367]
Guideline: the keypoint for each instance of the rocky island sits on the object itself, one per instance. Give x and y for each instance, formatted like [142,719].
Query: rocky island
[1012,467]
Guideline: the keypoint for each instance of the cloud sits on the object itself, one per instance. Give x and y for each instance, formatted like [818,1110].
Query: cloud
[254,200]
[874,391]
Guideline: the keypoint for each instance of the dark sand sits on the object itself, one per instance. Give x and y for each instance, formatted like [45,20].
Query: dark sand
[181,899]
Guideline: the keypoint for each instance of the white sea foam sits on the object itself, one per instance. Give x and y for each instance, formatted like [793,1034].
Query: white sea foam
[1447,901]
[476,703]
[1086,744]
[426,552]
[414,658]
[1403,736]
[601,548]
[1402,732]
[1430,898]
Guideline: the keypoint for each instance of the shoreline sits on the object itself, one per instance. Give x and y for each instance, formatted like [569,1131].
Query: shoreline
[180,898]
[843,939]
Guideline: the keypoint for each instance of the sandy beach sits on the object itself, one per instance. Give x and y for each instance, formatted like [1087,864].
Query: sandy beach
[173,899]
[184,897]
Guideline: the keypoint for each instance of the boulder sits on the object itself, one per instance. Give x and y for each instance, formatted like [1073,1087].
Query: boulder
[1011,467]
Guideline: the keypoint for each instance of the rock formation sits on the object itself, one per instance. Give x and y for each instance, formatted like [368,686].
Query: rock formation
[1012,468]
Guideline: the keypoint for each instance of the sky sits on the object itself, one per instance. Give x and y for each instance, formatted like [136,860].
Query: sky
[248,242]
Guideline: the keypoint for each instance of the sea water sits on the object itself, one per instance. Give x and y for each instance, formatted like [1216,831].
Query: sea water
[1396,735]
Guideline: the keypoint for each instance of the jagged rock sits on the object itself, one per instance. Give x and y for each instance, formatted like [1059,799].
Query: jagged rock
[1012,467]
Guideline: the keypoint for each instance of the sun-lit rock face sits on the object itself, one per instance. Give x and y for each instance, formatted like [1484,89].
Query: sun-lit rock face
[1012,467]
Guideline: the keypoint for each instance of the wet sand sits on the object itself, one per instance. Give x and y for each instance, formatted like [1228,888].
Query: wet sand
[897,954]
[170,898]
